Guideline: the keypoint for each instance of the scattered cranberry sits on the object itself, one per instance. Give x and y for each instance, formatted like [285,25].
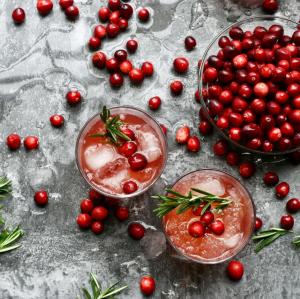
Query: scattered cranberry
[99,60]
[57,120]
[132,46]
[287,222]
[143,15]
[99,213]
[193,144]
[147,285]
[126,11]
[235,270]
[73,97]
[207,218]
[176,87]
[282,189]
[154,103]
[13,141]
[128,148]
[112,65]
[196,229]
[293,205]
[136,231]
[122,213]
[18,15]
[181,65]
[86,206]
[220,148]
[182,134]
[126,67]
[114,4]
[130,187]
[258,223]
[205,128]
[190,43]
[84,221]
[31,142]
[246,169]
[112,30]
[44,7]
[137,161]
[104,14]
[232,158]
[217,227]
[100,31]
[147,69]
[94,43]
[120,55]
[65,3]
[136,76]
[97,227]
[114,17]
[72,12]
[270,6]
[271,178]
[95,196]
[116,80]
[41,198]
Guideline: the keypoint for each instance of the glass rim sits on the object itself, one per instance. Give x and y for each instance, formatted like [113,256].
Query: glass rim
[200,86]
[139,192]
[245,242]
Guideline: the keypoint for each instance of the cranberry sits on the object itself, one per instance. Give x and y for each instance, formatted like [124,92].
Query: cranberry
[100,31]
[287,222]
[126,67]
[267,122]
[176,87]
[296,37]
[137,161]
[120,55]
[143,15]
[94,43]
[222,122]
[65,3]
[271,178]
[72,12]
[84,221]
[114,17]
[86,206]
[223,41]
[293,205]
[130,187]
[235,134]
[274,134]
[136,231]
[205,128]
[181,65]
[57,120]
[215,107]
[122,213]
[220,148]
[239,104]
[258,223]
[154,103]
[41,198]
[116,80]
[217,227]
[164,129]
[13,141]
[207,218]
[232,158]
[182,134]
[132,46]
[128,132]
[114,5]
[196,229]
[31,142]
[128,148]
[210,74]
[193,144]
[112,30]
[270,6]
[99,213]
[136,76]
[235,270]
[225,76]
[104,14]
[99,60]
[267,146]
[250,131]
[95,197]
[190,43]
[240,61]
[126,11]
[147,285]
[112,65]
[44,6]
[226,97]
[18,15]
[294,116]
[293,89]
[97,227]
[247,169]
[282,189]
[73,97]
[258,106]
[147,69]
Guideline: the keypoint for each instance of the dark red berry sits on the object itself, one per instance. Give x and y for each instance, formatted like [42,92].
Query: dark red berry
[114,5]
[205,128]
[65,3]
[128,148]
[182,135]
[282,189]
[44,6]
[18,15]
[130,187]
[132,46]
[270,6]
[116,80]
[122,213]
[86,206]
[196,229]
[57,120]
[72,12]
[207,218]
[235,270]
[97,227]
[84,221]
[287,222]
[136,76]
[147,68]
[128,132]
[143,15]
[99,60]
[126,11]
[147,285]
[258,223]
[94,43]
[176,87]
[220,148]
[136,231]
[271,178]
[95,196]
[99,213]
[181,65]
[13,141]
[137,161]
[193,144]
[154,103]
[120,55]
[293,205]
[41,198]
[233,158]
[247,169]
[190,43]
[104,14]
[112,30]
[217,227]
[126,67]
[73,97]
[31,142]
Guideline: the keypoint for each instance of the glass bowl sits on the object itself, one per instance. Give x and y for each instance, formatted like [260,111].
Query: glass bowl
[121,110]
[187,247]
[213,48]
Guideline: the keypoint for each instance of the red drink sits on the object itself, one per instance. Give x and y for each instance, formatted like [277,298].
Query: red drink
[101,163]
[238,218]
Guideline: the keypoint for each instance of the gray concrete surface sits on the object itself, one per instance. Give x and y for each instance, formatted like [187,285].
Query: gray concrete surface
[39,62]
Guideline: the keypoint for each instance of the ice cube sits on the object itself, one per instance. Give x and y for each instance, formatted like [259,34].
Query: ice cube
[233,241]
[154,244]
[211,185]
[115,182]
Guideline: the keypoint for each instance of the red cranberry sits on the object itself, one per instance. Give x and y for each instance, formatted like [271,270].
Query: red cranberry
[273,108]
[44,6]
[104,14]
[114,5]
[235,270]
[128,132]
[72,12]
[95,196]
[114,17]
[274,134]
[261,90]
[232,158]
[220,148]
[99,60]
[136,231]
[250,131]
[267,146]
[136,76]
[116,80]
[122,213]
[240,61]
[205,128]
[147,285]
[182,134]
[293,89]
[279,75]
[126,11]
[287,129]
[120,55]
[123,24]
[294,116]
[147,69]
[196,229]
[210,74]
[239,104]
[176,87]
[130,187]
[128,148]
[236,33]
[225,76]
[154,103]
[132,46]
[217,227]
[282,189]
[100,31]
[31,142]
[86,206]
[235,134]
[112,65]
[270,6]
[207,218]
[258,223]
[65,3]
[181,65]
[258,106]
[97,227]
[190,43]
[267,122]
[226,97]
[287,222]
[18,15]
[73,97]
[293,205]
[271,178]
[137,161]
[99,213]
[296,37]
[143,15]
[112,30]
[13,141]
[247,169]
[281,97]
[126,67]
[222,122]
[41,198]
[223,41]
[193,144]
[94,43]
[57,120]
[84,221]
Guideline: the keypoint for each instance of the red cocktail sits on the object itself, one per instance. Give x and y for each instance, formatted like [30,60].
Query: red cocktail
[237,218]
[124,168]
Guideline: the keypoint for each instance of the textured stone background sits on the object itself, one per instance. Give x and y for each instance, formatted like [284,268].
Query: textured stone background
[39,62]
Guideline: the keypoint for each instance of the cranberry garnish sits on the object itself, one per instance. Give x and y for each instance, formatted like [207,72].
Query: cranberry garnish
[128,148]
[41,198]
[97,227]
[282,189]
[182,135]
[112,30]
[235,270]
[258,223]
[143,15]
[147,69]
[116,80]
[114,4]
[104,14]
[94,43]
[190,43]
[122,213]
[13,141]
[193,144]
[99,60]
[154,103]
[205,128]
[44,6]
[176,87]
[126,11]
[100,31]
[112,65]
[136,231]
[197,211]
[57,120]
[181,65]
[270,6]
[132,46]
[271,178]
[293,205]
[99,213]
[137,161]
[84,221]
[207,218]
[287,222]
[86,206]
[130,187]
[220,148]
[196,229]
[31,142]
[65,3]
[233,158]
[147,285]
[136,76]
[247,169]
[73,97]
[18,15]
[217,227]
[72,12]
[128,132]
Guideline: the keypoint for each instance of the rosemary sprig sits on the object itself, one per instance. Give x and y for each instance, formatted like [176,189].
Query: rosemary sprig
[97,292]
[112,126]
[265,238]
[9,238]
[180,202]
[296,241]
[5,187]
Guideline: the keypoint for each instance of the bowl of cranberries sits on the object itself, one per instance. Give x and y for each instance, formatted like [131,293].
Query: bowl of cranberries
[250,85]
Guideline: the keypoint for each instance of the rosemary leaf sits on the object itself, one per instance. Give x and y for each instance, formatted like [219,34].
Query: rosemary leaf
[5,187]
[8,239]
[296,241]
